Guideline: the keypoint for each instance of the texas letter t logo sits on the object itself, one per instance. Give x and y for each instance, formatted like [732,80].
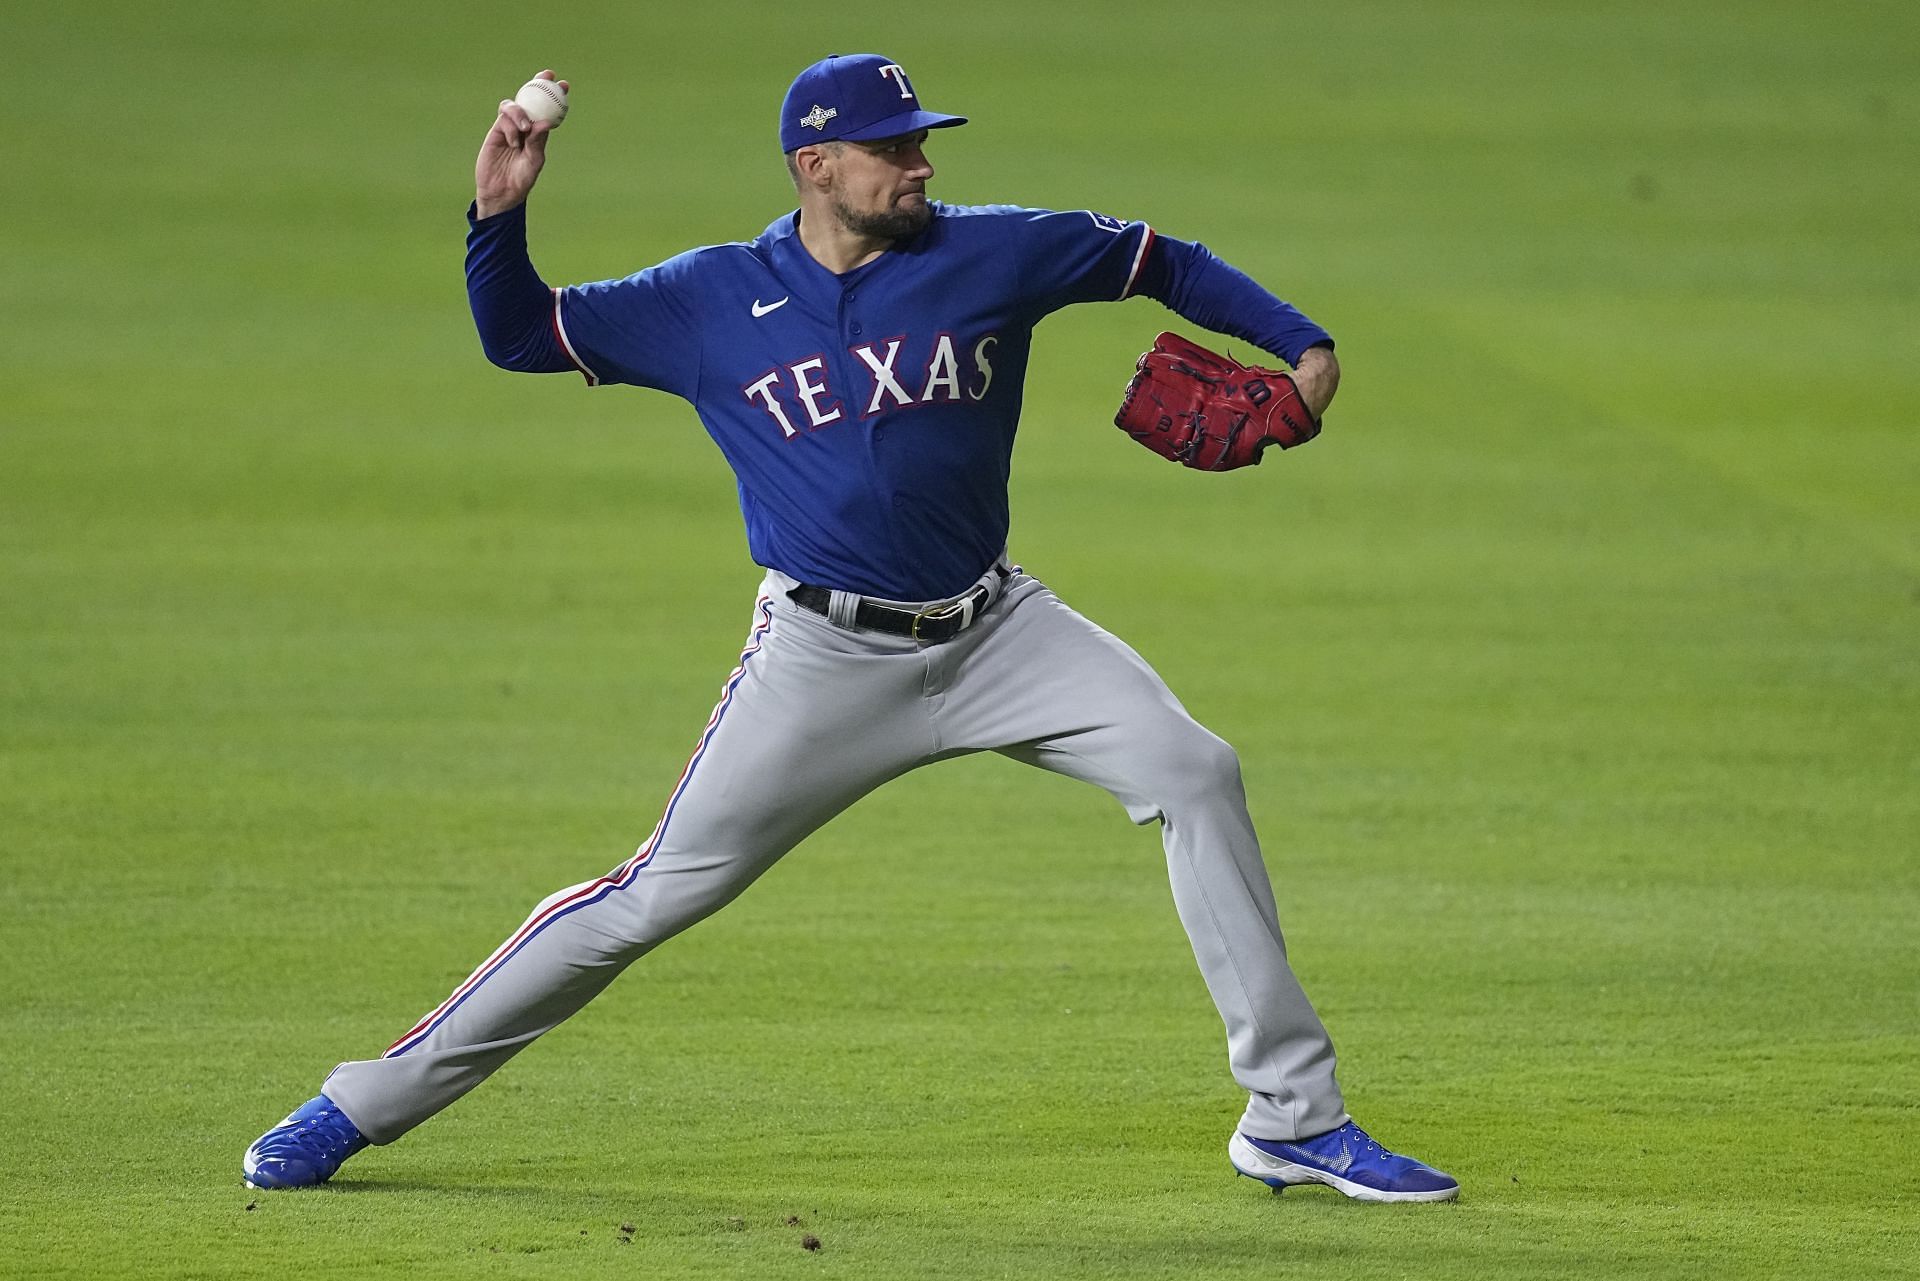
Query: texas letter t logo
[896,73]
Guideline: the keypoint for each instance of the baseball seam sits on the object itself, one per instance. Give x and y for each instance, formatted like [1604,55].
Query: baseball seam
[553,94]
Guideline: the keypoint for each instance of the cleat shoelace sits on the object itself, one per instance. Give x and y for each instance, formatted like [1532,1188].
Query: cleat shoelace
[317,1136]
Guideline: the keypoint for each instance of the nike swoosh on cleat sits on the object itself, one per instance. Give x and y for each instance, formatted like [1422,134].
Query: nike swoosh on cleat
[759,311]
[1338,1164]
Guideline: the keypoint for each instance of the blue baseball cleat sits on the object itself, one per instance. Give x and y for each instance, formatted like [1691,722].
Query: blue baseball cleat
[303,1150]
[1346,1159]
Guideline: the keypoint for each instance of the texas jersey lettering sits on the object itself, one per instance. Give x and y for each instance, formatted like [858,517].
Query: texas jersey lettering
[942,381]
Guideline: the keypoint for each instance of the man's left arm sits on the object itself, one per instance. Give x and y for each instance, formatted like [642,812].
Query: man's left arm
[1215,295]
[1317,375]
[1081,256]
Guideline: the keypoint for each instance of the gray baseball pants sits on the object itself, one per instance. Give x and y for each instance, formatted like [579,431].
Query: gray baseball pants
[817,715]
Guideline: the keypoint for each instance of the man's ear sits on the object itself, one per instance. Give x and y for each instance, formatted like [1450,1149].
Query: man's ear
[812,162]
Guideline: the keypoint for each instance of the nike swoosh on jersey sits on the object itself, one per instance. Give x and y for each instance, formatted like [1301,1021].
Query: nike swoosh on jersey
[759,311]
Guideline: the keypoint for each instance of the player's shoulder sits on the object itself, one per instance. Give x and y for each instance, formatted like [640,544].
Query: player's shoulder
[705,262]
[985,219]
[758,253]
[715,256]
[983,213]
[1026,220]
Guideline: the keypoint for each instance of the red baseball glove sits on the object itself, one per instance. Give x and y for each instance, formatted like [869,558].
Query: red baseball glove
[1210,412]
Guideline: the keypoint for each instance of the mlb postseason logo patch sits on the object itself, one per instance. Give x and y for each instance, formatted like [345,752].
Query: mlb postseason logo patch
[818,117]
[1106,222]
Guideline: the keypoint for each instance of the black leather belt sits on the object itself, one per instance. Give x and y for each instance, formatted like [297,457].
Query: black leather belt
[929,626]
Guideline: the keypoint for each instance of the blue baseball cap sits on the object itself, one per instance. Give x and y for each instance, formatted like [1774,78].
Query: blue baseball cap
[855,96]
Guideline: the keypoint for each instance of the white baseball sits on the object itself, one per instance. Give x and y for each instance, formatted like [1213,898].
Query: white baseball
[543,100]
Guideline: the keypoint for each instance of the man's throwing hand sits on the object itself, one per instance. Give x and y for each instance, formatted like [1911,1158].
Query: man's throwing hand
[511,157]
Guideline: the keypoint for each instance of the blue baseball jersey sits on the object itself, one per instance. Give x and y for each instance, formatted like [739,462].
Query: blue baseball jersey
[869,417]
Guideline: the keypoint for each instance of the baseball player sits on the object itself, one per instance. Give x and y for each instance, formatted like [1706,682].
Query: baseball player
[860,364]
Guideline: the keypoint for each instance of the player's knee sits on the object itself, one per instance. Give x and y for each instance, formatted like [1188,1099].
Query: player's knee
[1198,765]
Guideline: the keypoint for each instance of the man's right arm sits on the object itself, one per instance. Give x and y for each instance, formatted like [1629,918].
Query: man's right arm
[511,158]
[643,330]
[512,306]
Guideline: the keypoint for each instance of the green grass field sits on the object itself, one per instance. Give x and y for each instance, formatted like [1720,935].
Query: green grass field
[1574,669]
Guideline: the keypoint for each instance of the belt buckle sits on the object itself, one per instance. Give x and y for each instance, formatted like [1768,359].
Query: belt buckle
[941,614]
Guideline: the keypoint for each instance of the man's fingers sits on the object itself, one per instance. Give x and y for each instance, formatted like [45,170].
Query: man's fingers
[511,126]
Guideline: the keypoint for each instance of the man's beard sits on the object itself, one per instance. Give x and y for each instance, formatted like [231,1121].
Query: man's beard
[892,224]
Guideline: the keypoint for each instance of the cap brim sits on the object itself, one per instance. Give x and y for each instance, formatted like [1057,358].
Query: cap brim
[905,123]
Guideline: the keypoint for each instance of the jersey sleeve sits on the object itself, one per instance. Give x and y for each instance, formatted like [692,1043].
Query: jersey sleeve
[1080,256]
[1065,258]
[512,306]
[643,330]
[1215,295]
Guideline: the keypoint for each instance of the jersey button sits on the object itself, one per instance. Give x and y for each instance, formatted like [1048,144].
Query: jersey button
[855,329]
